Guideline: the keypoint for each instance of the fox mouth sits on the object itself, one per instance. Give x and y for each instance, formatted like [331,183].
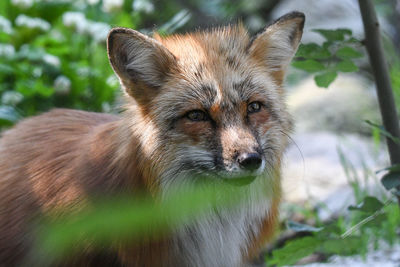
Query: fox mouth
[238,179]
[235,176]
[241,180]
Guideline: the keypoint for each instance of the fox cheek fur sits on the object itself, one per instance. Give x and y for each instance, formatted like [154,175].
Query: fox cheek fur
[204,103]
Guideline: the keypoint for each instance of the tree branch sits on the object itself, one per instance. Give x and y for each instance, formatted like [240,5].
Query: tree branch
[379,66]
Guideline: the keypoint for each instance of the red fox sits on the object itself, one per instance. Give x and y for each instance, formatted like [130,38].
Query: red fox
[204,102]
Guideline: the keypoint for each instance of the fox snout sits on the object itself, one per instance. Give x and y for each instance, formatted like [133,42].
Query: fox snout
[249,161]
[245,164]
[241,152]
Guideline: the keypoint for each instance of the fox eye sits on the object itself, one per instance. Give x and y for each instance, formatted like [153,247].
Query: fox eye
[253,107]
[197,115]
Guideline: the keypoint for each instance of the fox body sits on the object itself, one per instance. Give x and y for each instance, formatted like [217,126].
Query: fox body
[208,103]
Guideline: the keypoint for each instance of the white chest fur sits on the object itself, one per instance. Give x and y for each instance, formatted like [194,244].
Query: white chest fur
[221,238]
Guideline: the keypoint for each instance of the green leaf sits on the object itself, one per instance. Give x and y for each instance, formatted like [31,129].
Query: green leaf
[342,246]
[346,66]
[6,69]
[383,131]
[313,51]
[391,180]
[330,230]
[325,79]
[30,88]
[393,168]
[308,65]
[369,205]
[333,35]
[42,89]
[294,250]
[348,52]
[299,227]
[353,40]
[377,221]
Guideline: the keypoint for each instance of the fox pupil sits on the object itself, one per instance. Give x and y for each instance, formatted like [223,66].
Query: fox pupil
[196,115]
[254,107]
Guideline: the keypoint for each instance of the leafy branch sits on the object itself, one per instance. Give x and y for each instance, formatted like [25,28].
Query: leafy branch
[336,54]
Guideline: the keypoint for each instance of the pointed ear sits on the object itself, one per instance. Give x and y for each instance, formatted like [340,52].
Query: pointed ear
[142,63]
[276,45]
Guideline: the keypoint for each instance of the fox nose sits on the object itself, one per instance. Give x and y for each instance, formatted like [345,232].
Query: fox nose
[249,161]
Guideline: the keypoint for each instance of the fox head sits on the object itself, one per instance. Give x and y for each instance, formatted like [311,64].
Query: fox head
[208,103]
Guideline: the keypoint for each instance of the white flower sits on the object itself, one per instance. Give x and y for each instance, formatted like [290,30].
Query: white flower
[57,35]
[25,21]
[112,81]
[106,107]
[6,50]
[73,18]
[11,98]
[77,20]
[5,25]
[62,85]
[23,3]
[143,6]
[52,60]
[110,5]
[83,71]
[98,31]
[37,72]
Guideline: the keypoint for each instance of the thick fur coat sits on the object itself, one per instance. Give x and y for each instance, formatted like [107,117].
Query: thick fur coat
[208,103]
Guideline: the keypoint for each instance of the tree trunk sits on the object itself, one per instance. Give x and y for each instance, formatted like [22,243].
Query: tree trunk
[379,66]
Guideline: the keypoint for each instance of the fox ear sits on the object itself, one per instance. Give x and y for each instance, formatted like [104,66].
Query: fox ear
[278,42]
[141,63]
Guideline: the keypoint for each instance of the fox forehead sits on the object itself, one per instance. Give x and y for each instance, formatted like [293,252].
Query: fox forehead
[216,70]
[219,54]
[215,46]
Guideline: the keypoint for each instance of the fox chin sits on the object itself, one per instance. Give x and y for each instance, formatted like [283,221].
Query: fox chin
[203,104]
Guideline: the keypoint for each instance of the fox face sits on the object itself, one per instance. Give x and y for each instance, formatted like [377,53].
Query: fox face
[208,103]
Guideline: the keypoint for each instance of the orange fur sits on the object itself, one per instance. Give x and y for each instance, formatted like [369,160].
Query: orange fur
[57,162]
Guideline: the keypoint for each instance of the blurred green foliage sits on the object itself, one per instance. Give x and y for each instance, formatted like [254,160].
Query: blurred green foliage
[364,227]
[49,61]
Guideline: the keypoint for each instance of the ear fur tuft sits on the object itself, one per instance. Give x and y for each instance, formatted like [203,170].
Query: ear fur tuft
[276,45]
[141,62]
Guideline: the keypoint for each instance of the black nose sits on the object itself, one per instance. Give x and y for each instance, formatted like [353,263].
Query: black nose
[249,161]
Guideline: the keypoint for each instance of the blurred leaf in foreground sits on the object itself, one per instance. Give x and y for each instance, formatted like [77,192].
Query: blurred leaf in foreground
[127,218]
